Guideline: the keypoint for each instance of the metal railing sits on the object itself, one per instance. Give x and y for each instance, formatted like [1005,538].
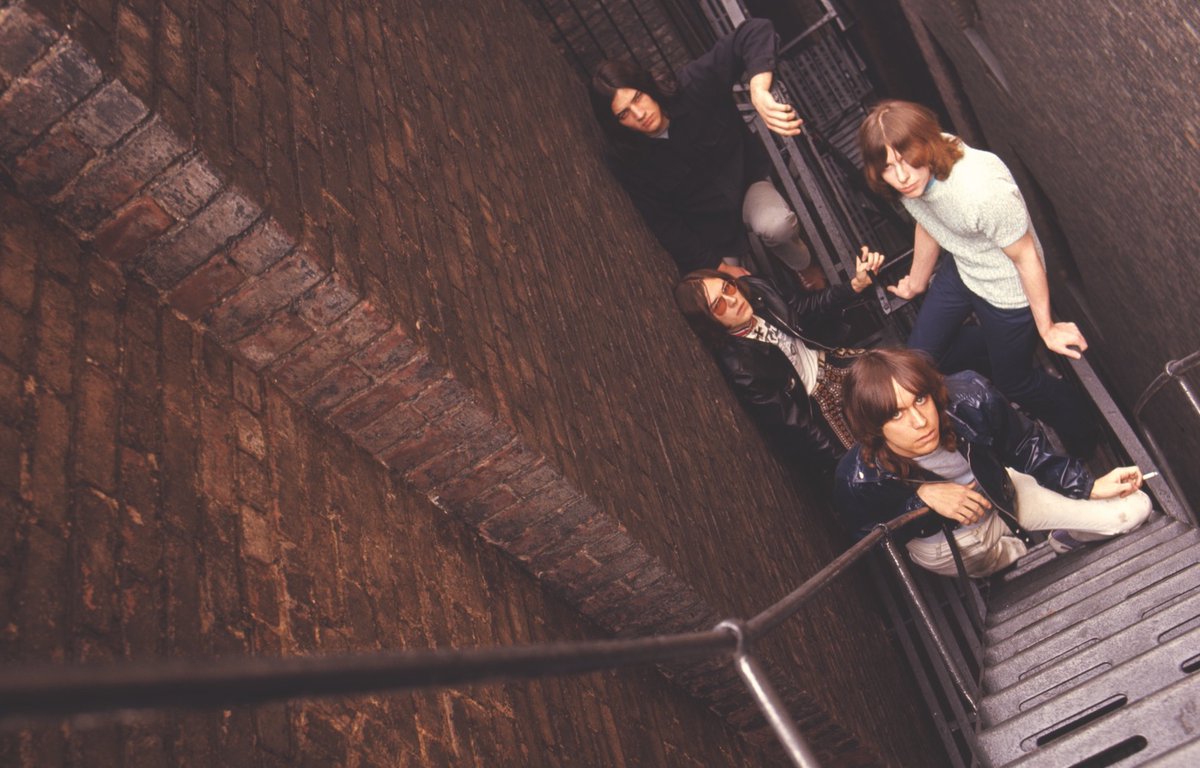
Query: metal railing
[60,691]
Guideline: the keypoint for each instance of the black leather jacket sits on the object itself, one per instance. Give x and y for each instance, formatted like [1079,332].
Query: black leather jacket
[765,380]
[991,435]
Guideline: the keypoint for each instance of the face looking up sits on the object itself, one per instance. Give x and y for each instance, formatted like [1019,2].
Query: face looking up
[638,112]
[913,430]
[908,181]
[727,304]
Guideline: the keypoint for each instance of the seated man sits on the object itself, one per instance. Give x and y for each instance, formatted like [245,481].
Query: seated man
[955,445]
[762,339]
[694,171]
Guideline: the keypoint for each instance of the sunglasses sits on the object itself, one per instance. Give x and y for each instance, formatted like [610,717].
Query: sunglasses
[723,301]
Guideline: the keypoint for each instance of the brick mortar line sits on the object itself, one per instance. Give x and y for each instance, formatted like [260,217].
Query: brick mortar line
[84,146]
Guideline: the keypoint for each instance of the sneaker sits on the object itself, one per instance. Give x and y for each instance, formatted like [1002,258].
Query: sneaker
[1063,542]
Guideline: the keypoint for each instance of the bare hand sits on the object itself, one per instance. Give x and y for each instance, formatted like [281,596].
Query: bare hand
[1118,483]
[1061,336]
[733,270]
[780,118]
[906,288]
[961,503]
[868,263]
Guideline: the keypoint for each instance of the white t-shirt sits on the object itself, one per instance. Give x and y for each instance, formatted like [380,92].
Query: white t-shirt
[804,360]
[974,214]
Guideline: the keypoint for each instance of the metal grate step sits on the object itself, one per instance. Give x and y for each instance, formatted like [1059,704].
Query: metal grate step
[1149,728]
[1150,586]
[1048,569]
[1080,584]
[1125,684]
[1020,678]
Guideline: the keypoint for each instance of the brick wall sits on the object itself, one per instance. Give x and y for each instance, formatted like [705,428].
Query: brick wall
[159,499]
[1094,108]
[424,250]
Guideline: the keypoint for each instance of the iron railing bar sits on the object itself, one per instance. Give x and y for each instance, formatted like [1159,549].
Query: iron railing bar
[786,607]
[1171,370]
[1142,449]
[768,700]
[620,35]
[653,38]
[921,661]
[587,28]
[63,691]
[829,16]
[575,57]
[922,610]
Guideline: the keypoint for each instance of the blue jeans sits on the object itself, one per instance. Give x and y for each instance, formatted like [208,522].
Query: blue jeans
[1009,337]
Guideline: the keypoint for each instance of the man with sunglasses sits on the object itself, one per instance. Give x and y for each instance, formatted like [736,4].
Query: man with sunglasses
[763,340]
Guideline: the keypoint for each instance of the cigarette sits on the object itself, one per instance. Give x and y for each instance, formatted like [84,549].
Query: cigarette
[1149,475]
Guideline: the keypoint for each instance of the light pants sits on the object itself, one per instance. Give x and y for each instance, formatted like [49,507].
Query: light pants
[989,545]
[768,216]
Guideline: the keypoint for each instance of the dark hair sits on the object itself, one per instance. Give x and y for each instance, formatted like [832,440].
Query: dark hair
[913,132]
[693,303]
[612,74]
[870,401]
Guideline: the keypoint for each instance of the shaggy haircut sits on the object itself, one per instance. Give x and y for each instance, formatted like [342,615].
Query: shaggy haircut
[612,74]
[870,401]
[693,303]
[912,131]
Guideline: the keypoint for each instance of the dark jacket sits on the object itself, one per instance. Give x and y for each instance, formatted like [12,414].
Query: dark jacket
[689,187]
[992,435]
[766,381]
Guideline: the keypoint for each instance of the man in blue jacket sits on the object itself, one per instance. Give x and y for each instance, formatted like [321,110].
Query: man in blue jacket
[955,445]
[683,152]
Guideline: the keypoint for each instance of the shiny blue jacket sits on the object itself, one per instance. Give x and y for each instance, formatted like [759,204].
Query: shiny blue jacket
[992,435]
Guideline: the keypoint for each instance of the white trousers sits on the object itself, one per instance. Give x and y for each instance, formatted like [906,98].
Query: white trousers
[989,545]
[768,215]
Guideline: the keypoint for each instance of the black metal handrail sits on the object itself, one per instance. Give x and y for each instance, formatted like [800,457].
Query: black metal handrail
[58,691]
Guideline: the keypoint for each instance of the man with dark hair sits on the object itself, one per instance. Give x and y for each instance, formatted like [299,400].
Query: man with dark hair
[956,446]
[693,170]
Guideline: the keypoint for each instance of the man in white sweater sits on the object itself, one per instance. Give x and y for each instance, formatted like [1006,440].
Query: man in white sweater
[966,202]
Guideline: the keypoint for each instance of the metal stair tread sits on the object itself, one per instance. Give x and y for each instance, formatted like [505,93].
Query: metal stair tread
[1166,720]
[1101,614]
[1047,573]
[1134,680]
[1100,575]
[1011,682]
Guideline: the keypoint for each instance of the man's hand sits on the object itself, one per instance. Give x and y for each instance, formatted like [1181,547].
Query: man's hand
[907,288]
[732,270]
[780,118]
[961,503]
[1118,483]
[1059,337]
[868,262]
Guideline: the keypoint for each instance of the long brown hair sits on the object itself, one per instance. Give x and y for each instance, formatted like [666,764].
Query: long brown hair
[912,131]
[693,303]
[612,74]
[870,401]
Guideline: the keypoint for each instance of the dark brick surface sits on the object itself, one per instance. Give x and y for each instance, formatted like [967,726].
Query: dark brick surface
[204,546]
[473,210]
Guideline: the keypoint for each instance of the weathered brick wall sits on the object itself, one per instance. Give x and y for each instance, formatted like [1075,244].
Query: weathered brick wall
[463,197]
[1099,113]
[159,499]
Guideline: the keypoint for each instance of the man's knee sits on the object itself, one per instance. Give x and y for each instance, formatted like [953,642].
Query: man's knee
[775,226]
[1130,512]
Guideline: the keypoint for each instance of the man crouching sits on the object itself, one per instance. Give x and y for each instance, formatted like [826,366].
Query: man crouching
[955,445]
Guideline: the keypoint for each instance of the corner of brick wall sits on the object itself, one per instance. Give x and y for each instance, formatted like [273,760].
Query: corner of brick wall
[79,144]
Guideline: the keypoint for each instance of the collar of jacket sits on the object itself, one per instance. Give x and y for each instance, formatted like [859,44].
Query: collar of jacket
[770,307]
